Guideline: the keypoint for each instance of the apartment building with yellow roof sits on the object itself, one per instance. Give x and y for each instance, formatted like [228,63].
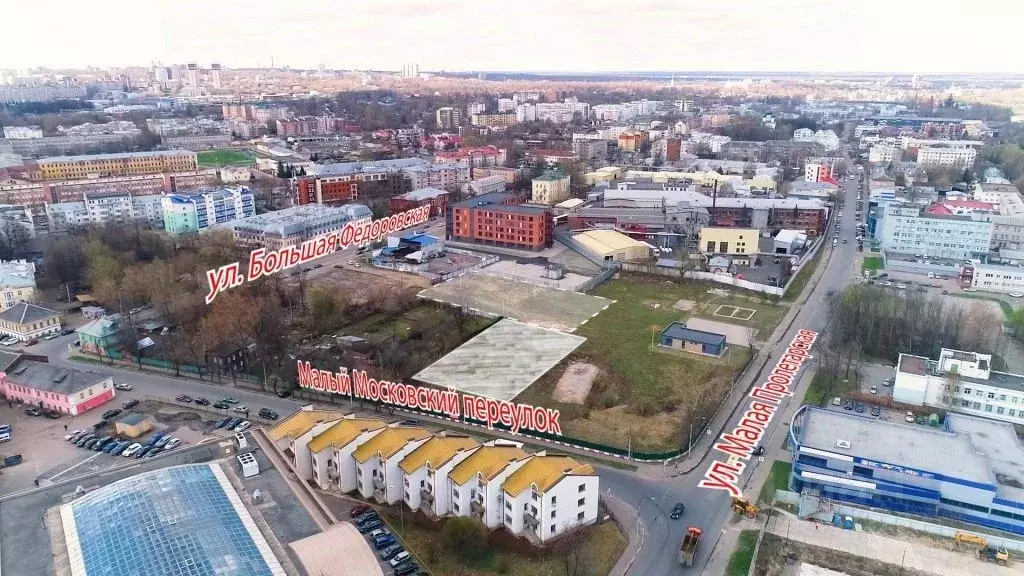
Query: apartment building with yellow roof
[333,466]
[548,495]
[476,481]
[378,474]
[293,434]
[426,469]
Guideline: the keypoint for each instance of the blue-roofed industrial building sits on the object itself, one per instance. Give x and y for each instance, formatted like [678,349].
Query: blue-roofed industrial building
[968,469]
[678,337]
[183,520]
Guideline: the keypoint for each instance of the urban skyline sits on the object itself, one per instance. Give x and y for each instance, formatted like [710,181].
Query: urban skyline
[780,35]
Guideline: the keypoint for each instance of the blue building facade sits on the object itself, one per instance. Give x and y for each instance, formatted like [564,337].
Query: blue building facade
[956,471]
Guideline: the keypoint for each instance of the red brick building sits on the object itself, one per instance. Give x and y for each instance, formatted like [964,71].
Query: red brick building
[435,198]
[497,220]
[315,190]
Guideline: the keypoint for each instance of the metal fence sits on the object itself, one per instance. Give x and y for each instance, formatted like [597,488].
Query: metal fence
[793,498]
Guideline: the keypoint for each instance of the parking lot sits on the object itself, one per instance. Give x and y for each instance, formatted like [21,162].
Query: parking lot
[342,508]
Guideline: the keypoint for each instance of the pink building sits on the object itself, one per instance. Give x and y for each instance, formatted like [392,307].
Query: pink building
[63,389]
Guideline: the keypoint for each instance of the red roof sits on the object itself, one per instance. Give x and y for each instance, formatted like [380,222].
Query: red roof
[946,208]
[488,150]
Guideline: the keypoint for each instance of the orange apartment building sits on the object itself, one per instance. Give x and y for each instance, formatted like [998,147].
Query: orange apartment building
[126,164]
[497,219]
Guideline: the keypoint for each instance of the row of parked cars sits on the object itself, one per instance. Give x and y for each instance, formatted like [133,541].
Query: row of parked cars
[368,522]
[234,424]
[119,447]
[226,403]
[857,407]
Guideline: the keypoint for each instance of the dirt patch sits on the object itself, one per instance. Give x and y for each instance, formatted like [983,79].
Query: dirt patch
[367,284]
[574,385]
[734,335]
[776,554]
[684,305]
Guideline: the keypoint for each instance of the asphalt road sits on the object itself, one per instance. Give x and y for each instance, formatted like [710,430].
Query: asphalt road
[706,508]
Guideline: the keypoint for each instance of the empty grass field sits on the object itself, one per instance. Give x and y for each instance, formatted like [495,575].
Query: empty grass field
[873,263]
[215,158]
[641,391]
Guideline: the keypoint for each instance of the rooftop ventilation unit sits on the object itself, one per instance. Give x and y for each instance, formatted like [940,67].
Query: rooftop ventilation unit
[844,444]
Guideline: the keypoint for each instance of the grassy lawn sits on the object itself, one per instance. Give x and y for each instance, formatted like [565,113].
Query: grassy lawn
[743,555]
[778,479]
[803,277]
[872,263]
[818,393]
[379,327]
[213,158]
[603,546]
[635,400]
[1004,306]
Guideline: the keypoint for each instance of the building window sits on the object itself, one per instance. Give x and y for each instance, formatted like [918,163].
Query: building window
[581,501]
[554,500]
[508,519]
[582,488]
[552,528]
[1002,397]
[988,407]
[999,410]
[991,395]
[579,517]
[553,513]
[1012,413]
[967,390]
[976,405]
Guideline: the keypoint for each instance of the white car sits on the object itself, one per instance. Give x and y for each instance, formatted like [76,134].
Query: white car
[874,389]
[123,386]
[1017,295]
[243,409]
[72,433]
[172,443]
[243,426]
[378,532]
[9,341]
[400,558]
[131,450]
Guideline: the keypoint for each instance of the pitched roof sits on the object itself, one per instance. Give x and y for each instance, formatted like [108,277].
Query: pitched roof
[437,451]
[388,442]
[487,460]
[98,328]
[679,331]
[301,422]
[25,313]
[344,431]
[50,378]
[544,472]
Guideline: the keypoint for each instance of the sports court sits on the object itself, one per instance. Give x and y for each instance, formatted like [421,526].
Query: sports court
[530,303]
[735,312]
[501,361]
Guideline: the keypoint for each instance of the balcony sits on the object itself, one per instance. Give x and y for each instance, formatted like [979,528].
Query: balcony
[530,521]
[477,508]
[426,495]
[378,483]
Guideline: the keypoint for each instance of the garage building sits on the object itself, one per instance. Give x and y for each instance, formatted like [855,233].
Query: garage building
[613,246]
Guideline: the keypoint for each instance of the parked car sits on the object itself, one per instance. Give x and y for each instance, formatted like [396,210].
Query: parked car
[284,393]
[154,439]
[874,389]
[183,398]
[876,411]
[860,408]
[123,386]
[366,518]
[223,422]
[359,510]
[111,413]
[837,401]
[229,400]
[88,445]
[67,331]
[406,569]
[129,404]
[101,424]
[51,336]
[110,447]
[887,382]
[69,436]
[243,409]
[677,511]
[32,342]
[145,450]
[171,444]
[268,414]
[383,541]
[243,426]
[33,411]
[399,559]
[131,450]
[202,401]
[9,341]
[370,526]
[101,443]
[909,417]
[378,532]
[221,405]
[52,414]
[83,439]
[153,452]
[233,422]
[389,552]
[848,405]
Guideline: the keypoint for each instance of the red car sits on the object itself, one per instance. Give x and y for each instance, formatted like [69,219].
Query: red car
[32,342]
[359,510]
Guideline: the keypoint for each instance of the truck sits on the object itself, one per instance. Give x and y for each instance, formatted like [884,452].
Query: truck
[688,548]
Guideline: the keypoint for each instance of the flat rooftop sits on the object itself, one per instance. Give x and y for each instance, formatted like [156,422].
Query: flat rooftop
[117,156]
[998,442]
[501,361]
[913,445]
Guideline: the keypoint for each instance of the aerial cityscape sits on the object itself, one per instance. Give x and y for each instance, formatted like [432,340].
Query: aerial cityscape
[488,301]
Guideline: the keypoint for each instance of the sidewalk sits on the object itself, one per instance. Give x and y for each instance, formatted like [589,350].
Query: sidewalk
[911,555]
[629,522]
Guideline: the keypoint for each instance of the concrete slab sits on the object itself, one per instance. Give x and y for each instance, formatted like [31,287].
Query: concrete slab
[735,335]
[575,384]
[534,274]
[501,361]
[500,297]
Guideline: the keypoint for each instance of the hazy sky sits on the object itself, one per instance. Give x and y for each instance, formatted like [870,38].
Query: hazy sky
[923,36]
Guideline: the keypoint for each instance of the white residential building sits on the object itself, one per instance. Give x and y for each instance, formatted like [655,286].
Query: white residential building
[884,154]
[22,132]
[506,105]
[910,229]
[427,486]
[476,108]
[476,481]
[960,382]
[99,209]
[378,474]
[947,156]
[526,113]
[17,282]
[331,463]
[549,495]
[911,142]
[441,176]
[998,278]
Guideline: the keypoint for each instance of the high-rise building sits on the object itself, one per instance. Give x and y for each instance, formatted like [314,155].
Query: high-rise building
[449,118]
[192,72]
[215,75]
